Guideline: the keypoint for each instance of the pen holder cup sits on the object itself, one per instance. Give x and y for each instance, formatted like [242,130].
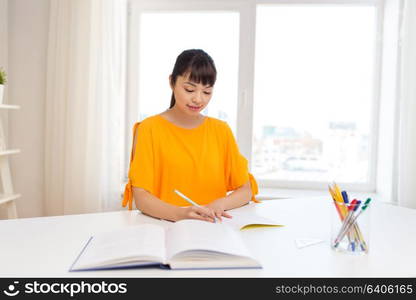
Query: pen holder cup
[350,230]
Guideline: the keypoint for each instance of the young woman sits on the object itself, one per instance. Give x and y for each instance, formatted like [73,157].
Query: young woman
[181,149]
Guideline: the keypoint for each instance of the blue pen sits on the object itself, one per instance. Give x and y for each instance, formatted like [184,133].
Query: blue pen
[344,196]
[345,199]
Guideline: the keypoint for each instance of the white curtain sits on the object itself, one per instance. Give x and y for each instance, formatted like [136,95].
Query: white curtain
[407,123]
[84,104]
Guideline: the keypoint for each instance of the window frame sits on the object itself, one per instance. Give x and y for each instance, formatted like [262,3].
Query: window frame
[244,132]
[135,8]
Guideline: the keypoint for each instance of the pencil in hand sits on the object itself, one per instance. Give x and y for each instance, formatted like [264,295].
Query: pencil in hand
[189,200]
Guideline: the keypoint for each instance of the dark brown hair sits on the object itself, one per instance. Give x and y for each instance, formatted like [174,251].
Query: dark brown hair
[198,64]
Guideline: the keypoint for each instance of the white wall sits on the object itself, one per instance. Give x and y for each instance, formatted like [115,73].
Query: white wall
[3,33]
[27,46]
[4,64]
[388,110]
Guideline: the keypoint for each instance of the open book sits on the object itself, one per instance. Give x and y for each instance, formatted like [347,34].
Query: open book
[186,244]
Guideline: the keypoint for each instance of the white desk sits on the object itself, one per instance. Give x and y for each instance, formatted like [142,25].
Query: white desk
[46,247]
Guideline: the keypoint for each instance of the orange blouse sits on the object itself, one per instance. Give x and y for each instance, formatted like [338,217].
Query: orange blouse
[203,163]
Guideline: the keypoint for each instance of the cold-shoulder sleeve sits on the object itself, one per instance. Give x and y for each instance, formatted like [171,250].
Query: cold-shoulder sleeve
[141,171]
[236,166]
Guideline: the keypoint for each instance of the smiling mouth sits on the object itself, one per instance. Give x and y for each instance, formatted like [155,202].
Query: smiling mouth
[194,107]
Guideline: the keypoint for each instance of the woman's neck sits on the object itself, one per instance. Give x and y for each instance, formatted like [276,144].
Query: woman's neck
[179,117]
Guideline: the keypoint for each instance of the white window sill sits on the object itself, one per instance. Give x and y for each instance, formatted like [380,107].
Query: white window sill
[276,194]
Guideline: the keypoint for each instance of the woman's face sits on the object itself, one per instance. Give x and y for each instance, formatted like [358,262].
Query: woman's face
[191,97]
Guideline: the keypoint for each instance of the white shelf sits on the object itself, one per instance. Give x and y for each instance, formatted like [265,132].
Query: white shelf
[9,106]
[7,198]
[8,152]
[7,195]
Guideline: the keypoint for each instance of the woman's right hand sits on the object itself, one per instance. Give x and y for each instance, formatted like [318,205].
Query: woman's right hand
[198,212]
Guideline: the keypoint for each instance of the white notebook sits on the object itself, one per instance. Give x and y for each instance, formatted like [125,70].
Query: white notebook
[186,244]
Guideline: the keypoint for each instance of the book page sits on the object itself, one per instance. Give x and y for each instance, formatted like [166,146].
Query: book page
[246,219]
[187,235]
[142,242]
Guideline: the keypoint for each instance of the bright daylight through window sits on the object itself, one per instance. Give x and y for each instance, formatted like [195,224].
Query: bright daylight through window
[313,99]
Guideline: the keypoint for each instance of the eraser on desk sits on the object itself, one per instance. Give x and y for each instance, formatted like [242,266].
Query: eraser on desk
[302,243]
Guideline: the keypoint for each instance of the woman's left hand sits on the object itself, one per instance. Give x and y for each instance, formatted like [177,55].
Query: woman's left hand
[218,209]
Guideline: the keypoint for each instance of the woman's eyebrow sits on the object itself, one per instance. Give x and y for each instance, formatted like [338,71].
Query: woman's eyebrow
[193,84]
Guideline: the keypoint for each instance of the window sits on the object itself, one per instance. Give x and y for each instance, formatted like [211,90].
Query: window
[216,32]
[298,81]
[314,91]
